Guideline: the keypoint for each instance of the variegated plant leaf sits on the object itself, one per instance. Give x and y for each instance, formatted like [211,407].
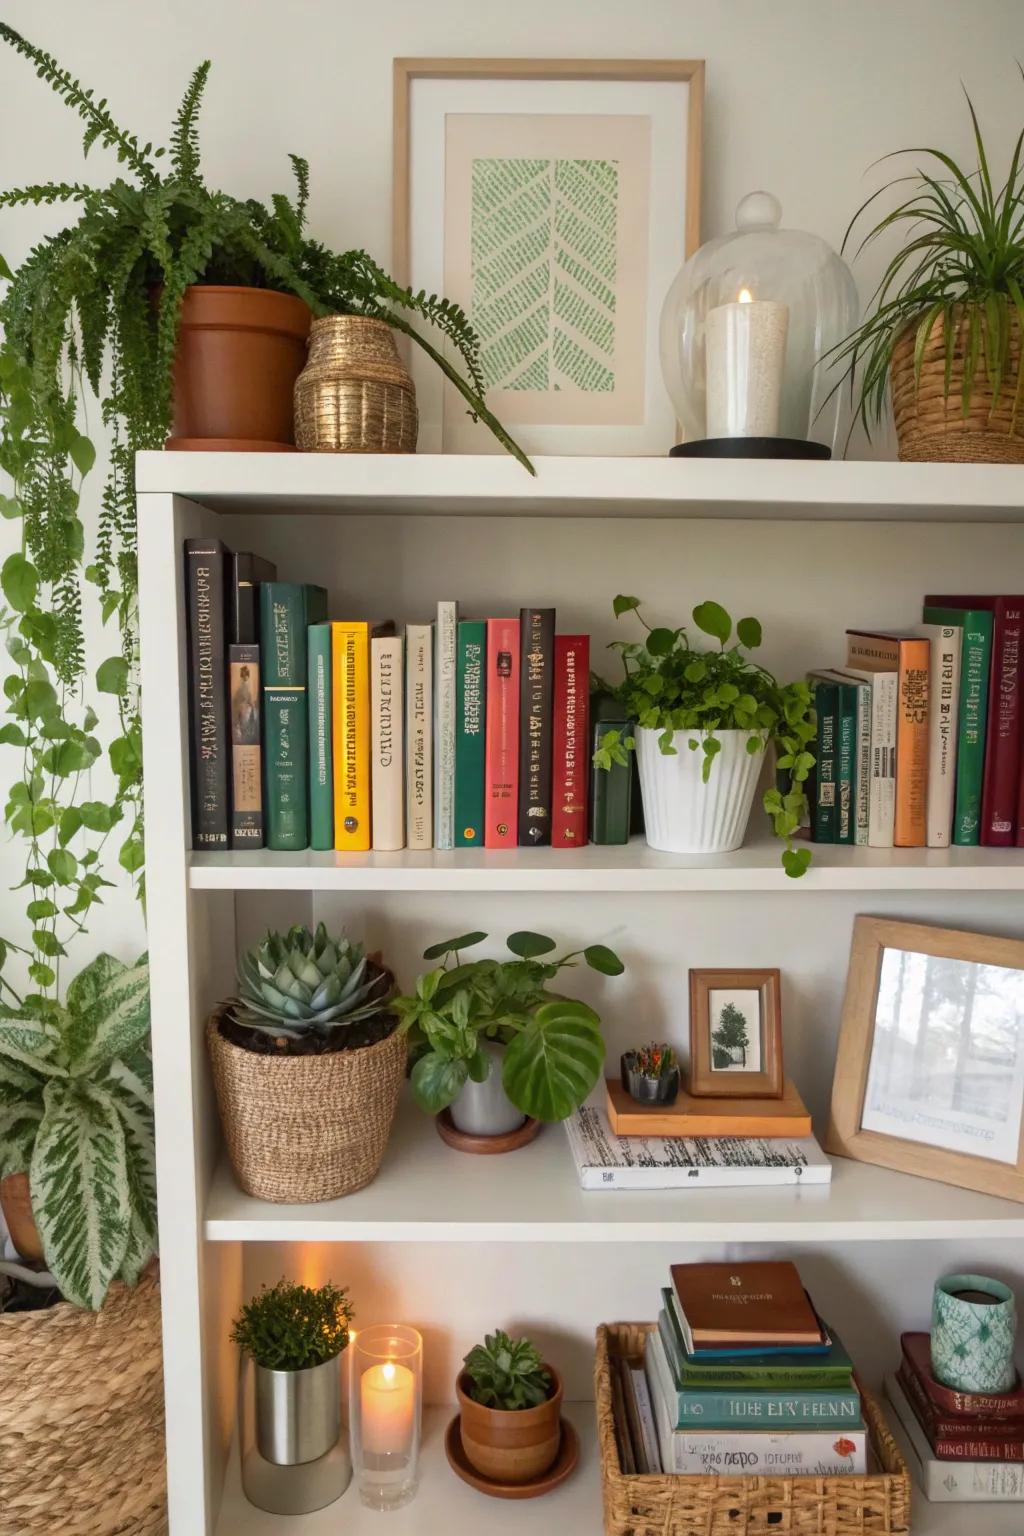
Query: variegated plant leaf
[84,992]
[114,1022]
[21,1109]
[33,1044]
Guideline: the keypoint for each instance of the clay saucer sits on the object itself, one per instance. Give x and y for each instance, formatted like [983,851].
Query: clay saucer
[462,1141]
[563,1465]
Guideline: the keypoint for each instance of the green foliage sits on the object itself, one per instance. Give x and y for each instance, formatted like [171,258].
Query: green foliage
[960,267]
[292,1327]
[553,1046]
[670,686]
[652,1061]
[298,984]
[730,1035]
[507,1374]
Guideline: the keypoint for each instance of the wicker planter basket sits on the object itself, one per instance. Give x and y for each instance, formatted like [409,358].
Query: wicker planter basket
[82,1419]
[305,1128]
[355,395]
[933,428]
[708,1505]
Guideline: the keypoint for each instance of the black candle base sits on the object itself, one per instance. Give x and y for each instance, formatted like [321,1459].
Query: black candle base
[750,448]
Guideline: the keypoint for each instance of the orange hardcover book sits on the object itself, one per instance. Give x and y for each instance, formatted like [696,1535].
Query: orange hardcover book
[909,656]
[350,686]
[785,1118]
[744,1304]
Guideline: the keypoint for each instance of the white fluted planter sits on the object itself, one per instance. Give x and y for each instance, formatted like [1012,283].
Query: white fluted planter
[682,814]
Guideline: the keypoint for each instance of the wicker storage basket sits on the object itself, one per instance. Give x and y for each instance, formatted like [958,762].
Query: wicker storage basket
[355,395]
[305,1128]
[82,1419]
[708,1505]
[932,427]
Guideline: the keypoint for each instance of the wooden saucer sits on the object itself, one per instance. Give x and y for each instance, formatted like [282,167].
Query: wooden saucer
[462,1141]
[564,1463]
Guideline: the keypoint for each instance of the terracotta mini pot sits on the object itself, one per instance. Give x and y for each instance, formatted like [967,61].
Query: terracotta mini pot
[16,1204]
[240,351]
[510,1445]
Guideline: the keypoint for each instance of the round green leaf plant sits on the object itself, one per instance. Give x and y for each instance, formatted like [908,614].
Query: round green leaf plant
[290,1327]
[675,688]
[554,1050]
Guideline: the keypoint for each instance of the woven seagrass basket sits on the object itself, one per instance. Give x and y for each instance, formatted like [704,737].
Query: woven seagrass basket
[660,1504]
[305,1128]
[355,395]
[931,426]
[82,1419]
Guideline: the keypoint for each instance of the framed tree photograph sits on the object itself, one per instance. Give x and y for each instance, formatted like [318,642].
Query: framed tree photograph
[930,1069]
[736,1034]
[554,200]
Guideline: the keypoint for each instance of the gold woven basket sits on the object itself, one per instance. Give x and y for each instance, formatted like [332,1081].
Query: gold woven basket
[355,395]
[932,427]
[306,1128]
[82,1419]
[660,1504]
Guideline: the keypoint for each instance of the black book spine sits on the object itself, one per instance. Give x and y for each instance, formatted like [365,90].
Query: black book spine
[536,676]
[247,571]
[205,579]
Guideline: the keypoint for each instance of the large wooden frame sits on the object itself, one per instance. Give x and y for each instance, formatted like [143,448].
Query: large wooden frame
[704,1081]
[846,1137]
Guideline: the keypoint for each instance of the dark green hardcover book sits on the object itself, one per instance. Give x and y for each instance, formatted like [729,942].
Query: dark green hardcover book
[830,1370]
[824,821]
[611,789]
[975,665]
[470,701]
[287,609]
[318,703]
[846,763]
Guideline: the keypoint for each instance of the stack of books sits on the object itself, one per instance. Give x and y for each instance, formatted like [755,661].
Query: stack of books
[964,1446]
[743,1378]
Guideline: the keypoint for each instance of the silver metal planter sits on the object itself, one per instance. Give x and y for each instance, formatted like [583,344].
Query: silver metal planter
[298,1413]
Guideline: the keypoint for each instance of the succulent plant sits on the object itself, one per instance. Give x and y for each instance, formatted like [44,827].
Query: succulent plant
[507,1373]
[301,983]
[652,1060]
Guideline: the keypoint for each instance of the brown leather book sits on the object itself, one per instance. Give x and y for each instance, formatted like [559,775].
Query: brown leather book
[744,1305]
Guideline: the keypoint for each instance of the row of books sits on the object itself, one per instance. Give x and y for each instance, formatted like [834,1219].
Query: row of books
[740,1376]
[919,736]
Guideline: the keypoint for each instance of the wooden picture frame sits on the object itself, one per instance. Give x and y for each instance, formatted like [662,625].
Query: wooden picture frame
[722,990]
[870,985]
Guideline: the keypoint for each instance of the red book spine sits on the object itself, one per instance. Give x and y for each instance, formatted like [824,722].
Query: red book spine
[952,1440]
[998,1406]
[570,766]
[501,745]
[1001,786]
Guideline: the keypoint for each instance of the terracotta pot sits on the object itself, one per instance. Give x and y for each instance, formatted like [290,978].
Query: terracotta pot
[510,1445]
[16,1203]
[240,351]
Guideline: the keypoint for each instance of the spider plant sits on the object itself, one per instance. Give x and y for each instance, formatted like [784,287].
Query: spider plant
[961,269]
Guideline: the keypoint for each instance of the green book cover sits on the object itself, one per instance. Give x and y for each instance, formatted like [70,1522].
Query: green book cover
[611,789]
[471,649]
[828,1372]
[287,609]
[321,784]
[824,821]
[846,764]
[975,664]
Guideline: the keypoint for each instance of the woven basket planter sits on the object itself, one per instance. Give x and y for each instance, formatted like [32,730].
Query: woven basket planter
[355,395]
[932,427]
[660,1504]
[306,1128]
[82,1419]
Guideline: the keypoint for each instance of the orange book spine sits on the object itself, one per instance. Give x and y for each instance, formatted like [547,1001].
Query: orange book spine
[911,830]
[501,737]
[350,682]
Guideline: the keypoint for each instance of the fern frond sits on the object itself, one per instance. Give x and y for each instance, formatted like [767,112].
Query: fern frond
[47,192]
[301,168]
[185,133]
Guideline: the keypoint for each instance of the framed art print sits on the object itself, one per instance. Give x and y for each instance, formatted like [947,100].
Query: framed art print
[554,200]
[930,1071]
[735,1034]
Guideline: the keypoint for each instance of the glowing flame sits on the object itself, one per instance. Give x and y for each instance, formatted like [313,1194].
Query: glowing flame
[746,297]
[388,1372]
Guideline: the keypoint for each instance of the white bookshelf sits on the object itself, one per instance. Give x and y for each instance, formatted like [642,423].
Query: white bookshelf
[458,1244]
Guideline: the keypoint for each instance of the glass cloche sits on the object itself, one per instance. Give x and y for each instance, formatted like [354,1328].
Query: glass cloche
[743,331]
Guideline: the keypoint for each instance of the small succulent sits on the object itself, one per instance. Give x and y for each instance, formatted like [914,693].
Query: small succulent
[507,1373]
[652,1060]
[291,1327]
[301,983]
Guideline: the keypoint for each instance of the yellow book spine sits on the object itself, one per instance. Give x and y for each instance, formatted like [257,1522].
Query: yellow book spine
[350,682]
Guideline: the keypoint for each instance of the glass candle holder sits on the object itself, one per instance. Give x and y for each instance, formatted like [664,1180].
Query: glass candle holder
[385,1413]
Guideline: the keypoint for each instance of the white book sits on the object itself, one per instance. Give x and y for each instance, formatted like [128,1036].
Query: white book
[419,735]
[945,641]
[862,757]
[606,1161]
[645,1413]
[885,692]
[445,638]
[387,742]
[950,1482]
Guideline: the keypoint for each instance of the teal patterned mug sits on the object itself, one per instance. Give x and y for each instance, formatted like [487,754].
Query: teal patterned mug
[974,1325]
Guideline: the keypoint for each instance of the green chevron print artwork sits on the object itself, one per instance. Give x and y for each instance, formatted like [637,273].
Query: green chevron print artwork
[544,235]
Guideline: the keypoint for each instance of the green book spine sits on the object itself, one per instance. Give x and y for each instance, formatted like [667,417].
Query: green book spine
[611,791]
[827,1373]
[846,764]
[286,611]
[823,812]
[321,783]
[975,664]
[471,650]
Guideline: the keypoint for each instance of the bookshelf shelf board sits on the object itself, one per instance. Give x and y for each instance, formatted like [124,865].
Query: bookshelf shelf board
[494,485]
[426,1192]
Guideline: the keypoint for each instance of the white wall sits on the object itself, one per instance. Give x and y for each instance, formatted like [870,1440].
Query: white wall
[802,97]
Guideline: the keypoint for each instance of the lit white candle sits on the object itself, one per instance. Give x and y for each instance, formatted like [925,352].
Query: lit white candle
[388,1401]
[745,350]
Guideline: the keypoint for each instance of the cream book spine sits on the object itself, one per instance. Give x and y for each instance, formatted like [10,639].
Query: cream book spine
[387,743]
[945,642]
[419,735]
[445,646]
[885,688]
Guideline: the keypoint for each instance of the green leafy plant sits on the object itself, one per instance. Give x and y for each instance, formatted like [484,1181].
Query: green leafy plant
[553,1046]
[301,984]
[291,1327]
[655,1061]
[960,267]
[729,1036]
[672,687]
[76,1111]
[507,1374]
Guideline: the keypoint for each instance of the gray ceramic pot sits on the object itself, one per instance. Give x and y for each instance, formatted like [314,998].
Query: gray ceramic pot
[485,1109]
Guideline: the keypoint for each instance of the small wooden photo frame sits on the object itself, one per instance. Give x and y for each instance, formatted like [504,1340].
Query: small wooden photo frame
[735,1034]
[930,1069]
